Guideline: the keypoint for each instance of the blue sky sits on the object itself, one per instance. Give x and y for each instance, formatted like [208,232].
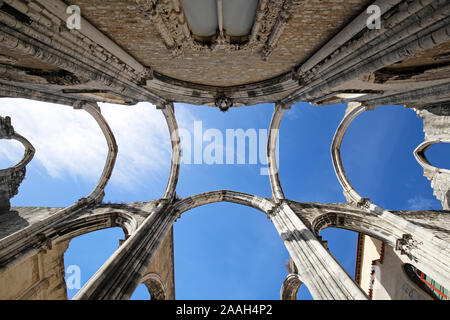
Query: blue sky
[222,251]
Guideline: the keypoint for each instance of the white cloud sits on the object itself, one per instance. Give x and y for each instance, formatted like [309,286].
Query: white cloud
[69,143]
[421,203]
[294,113]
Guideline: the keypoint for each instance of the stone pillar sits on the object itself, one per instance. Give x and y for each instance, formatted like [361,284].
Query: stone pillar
[122,273]
[321,273]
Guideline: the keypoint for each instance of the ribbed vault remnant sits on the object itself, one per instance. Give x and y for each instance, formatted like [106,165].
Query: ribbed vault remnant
[160,55]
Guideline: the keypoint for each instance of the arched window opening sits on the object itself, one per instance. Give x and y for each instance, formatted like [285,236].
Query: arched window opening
[427,284]
[439,155]
[342,245]
[86,254]
[141,293]
[379,162]
[227,251]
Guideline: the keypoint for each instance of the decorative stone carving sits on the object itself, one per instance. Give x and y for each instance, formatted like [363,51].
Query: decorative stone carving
[172,25]
[223,103]
[6,129]
[145,75]
[363,203]
[11,178]
[405,245]
[9,185]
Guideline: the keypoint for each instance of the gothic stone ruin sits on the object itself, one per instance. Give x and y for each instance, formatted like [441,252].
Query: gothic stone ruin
[222,54]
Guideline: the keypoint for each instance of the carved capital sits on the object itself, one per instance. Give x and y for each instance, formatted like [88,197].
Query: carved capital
[406,244]
[145,75]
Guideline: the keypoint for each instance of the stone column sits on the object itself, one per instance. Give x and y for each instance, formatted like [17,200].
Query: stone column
[122,273]
[321,273]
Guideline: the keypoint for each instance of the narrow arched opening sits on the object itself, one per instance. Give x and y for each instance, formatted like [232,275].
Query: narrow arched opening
[152,287]
[342,244]
[144,152]
[141,293]
[86,254]
[438,155]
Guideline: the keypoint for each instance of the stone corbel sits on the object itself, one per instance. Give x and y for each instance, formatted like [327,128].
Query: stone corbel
[145,76]
[223,103]
[11,178]
[405,245]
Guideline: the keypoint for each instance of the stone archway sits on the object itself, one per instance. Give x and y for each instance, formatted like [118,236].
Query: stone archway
[155,286]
